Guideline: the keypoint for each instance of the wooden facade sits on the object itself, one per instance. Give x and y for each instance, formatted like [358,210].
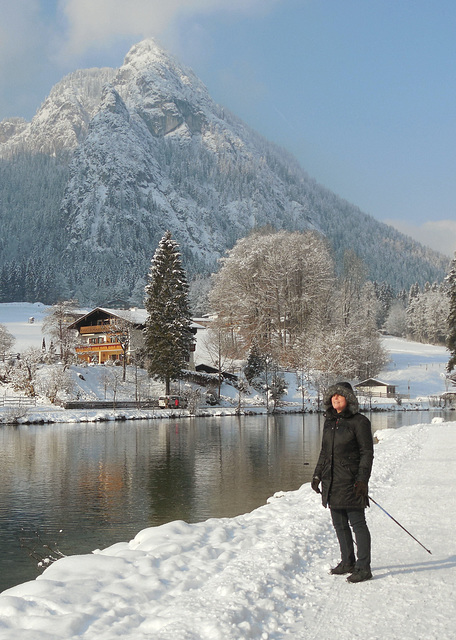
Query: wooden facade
[103,332]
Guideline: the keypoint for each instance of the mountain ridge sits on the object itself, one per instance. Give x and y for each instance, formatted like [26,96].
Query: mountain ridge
[128,153]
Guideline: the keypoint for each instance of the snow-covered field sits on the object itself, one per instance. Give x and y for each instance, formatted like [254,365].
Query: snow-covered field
[416,369]
[16,317]
[264,575]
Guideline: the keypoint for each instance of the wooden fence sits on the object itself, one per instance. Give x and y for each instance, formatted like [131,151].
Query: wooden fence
[17,401]
[108,404]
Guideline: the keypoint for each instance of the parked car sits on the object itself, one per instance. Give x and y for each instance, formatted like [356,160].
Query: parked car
[211,399]
[171,402]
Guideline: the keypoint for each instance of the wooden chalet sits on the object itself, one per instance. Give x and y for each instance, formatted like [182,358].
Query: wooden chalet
[102,332]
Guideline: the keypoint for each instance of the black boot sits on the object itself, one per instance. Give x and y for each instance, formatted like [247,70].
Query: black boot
[342,568]
[360,575]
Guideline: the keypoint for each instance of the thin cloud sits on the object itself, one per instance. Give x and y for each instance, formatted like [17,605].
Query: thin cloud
[24,35]
[40,40]
[98,23]
[17,27]
[439,235]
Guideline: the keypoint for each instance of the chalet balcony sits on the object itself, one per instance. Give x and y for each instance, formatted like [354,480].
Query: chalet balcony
[112,347]
[96,328]
[101,352]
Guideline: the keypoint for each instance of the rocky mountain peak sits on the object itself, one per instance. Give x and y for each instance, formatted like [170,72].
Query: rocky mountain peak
[163,92]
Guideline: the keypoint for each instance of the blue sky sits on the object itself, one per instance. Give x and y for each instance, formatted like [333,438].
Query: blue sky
[362,92]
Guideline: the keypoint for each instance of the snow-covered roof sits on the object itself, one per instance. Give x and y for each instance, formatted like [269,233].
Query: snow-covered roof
[134,315]
[373,382]
[197,325]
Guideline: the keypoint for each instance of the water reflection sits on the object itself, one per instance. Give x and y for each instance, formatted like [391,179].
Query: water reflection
[102,483]
[224,467]
[394,420]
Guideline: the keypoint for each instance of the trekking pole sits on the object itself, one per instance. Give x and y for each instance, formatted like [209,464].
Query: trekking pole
[398,523]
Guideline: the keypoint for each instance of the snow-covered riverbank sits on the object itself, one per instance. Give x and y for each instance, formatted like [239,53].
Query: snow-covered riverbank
[416,370]
[52,415]
[264,575]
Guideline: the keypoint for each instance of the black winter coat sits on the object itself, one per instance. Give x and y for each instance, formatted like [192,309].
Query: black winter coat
[346,456]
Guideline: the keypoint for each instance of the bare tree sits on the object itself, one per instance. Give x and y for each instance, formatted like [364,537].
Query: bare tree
[221,348]
[111,381]
[56,324]
[6,341]
[119,331]
[42,552]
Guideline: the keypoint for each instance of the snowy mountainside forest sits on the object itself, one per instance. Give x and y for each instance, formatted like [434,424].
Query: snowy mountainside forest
[114,158]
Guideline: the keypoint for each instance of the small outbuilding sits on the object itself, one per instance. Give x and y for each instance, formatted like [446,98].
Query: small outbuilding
[374,387]
[448,399]
[206,368]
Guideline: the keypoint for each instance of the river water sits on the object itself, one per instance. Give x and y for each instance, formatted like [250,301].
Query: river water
[87,486]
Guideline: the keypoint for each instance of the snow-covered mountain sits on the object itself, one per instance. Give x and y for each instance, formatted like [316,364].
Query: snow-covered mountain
[113,158]
[62,121]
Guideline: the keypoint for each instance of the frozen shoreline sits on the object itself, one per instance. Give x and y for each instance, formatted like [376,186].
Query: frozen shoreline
[50,414]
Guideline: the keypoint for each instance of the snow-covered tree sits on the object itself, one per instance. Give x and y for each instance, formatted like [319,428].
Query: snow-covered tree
[53,380]
[396,321]
[369,354]
[277,388]
[199,288]
[193,397]
[451,321]
[168,334]
[437,312]
[270,286]
[23,374]
[352,347]
[277,291]
[6,341]
[385,297]
[426,314]
[56,324]
[255,363]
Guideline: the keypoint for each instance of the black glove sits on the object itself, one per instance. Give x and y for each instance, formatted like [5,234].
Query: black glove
[361,489]
[315,484]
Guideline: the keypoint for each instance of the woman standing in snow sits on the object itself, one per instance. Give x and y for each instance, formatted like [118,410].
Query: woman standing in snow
[344,468]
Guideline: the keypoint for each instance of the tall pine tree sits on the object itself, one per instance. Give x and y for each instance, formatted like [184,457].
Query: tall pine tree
[168,334]
[255,363]
[451,335]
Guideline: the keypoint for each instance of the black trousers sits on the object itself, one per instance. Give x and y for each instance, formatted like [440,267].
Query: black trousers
[342,520]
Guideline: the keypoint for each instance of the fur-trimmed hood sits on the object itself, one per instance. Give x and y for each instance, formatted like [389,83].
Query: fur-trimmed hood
[342,389]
